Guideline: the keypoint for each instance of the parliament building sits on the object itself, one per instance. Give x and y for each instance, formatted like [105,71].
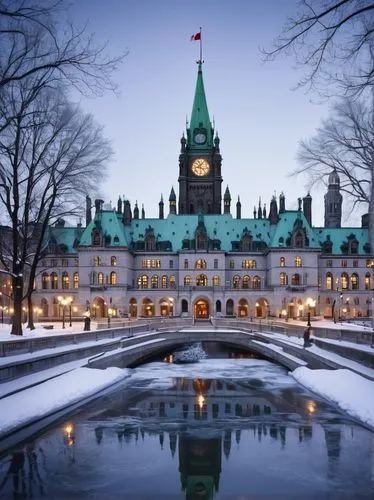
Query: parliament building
[200,258]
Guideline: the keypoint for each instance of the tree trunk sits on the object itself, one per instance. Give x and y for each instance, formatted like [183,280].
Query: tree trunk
[30,315]
[371,206]
[17,305]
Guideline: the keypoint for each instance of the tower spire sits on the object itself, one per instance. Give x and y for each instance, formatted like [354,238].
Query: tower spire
[200,121]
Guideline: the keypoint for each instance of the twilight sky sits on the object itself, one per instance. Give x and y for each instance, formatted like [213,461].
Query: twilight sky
[259,118]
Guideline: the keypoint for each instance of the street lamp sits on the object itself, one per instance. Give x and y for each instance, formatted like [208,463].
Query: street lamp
[110,312]
[65,301]
[371,265]
[311,303]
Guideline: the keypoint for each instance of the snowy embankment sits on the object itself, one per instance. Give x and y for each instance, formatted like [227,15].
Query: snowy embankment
[39,401]
[351,392]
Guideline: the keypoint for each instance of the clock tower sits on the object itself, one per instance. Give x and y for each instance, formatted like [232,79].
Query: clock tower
[200,160]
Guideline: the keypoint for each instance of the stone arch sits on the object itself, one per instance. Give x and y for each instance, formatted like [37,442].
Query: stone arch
[218,306]
[133,308]
[98,307]
[166,307]
[229,307]
[44,307]
[243,308]
[148,307]
[262,308]
[201,308]
[184,306]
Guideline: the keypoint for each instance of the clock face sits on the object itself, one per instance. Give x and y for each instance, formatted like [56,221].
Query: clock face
[200,167]
[200,138]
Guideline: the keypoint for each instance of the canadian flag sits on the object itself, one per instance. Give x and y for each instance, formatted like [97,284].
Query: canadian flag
[196,36]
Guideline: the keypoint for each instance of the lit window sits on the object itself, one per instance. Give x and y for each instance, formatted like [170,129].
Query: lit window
[187,280]
[282,262]
[201,280]
[355,284]
[164,282]
[65,281]
[76,280]
[344,281]
[45,281]
[236,281]
[97,261]
[298,261]
[216,280]
[100,278]
[172,281]
[256,282]
[113,278]
[246,280]
[329,281]
[295,280]
[200,264]
[367,281]
[113,261]
[283,279]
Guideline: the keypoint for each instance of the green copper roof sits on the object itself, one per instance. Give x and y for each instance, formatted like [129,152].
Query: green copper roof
[65,238]
[340,235]
[285,228]
[111,225]
[200,115]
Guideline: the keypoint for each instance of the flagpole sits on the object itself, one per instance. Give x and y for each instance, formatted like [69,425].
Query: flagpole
[201,48]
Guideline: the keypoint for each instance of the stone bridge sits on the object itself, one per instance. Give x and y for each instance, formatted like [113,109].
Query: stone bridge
[136,350]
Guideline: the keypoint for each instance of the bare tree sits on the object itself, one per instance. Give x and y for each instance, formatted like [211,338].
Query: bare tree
[334,40]
[51,154]
[343,142]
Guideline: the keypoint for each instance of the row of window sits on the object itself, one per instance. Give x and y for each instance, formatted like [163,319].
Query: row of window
[101,279]
[51,281]
[98,261]
[248,282]
[166,281]
[344,281]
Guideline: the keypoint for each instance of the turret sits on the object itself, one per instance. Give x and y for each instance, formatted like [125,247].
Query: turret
[127,217]
[183,144]
[119,205]
[273,214]
[307,208]
[227,201]
[88,210]
[143,212]
[136,210]
[238,209]
[282,203]
[216,142]
[172,202]
[254,212]
[264,211]
[259,211]
[333,201]
[161,208]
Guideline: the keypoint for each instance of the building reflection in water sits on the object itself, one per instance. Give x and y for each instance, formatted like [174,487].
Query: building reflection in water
[234,406]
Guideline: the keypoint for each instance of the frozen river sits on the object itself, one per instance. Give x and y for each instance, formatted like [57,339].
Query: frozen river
[219,429]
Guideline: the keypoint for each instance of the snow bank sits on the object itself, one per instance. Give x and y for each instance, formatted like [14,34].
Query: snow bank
[54,395]
[351,392]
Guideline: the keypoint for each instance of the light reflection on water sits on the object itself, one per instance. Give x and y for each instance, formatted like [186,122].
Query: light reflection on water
[185,435]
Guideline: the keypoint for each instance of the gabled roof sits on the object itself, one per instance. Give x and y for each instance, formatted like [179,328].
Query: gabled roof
[285,228]
[62,236]
[111,225]
[338,236]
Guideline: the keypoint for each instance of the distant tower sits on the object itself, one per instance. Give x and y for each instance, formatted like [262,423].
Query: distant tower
[119,205]
[136,210]
[333,201]
[127,213]
[161,208]
[143,211]
[227,201]
[307,208]
[264,211]
[259,211]
[282,203]
[172,202]
[254,212]
[88,210]
[238,209]
[273,214]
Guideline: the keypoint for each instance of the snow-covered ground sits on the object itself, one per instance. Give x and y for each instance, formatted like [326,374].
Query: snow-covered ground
[350,391]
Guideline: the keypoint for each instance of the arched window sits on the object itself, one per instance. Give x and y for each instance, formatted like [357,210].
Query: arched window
[353,247]
[201,280]
[186,263]
[45,281]
[329,281]
[150,242]
[187,280]
[283,279]
[113,261]
[97,261]
[295,280]
[256,282]
[54,281]
[298,262]
[65,281]
[218,306]
[75,280]
[200,264]
[113,278]
[154,281]
[344,280]
[282,262]
[133,308]
[172,281]
[96,240]
[299,239]
[143,281]
[216,280]
[249,264]
[229,307]
[367,281]
[236,281]
[100,278]
[246,281]
[184,306]
[355,283]
[164,281]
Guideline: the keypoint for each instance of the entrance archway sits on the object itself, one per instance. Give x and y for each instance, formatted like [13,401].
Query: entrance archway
[261,308]
[229,307]
[133,308]
[98,308]
[243,308]
[166,307]
[148,308]
[201,309]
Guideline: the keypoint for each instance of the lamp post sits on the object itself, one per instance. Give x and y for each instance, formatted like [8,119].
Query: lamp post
[311,303]
[110,312]
[371,265]
[65,301]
